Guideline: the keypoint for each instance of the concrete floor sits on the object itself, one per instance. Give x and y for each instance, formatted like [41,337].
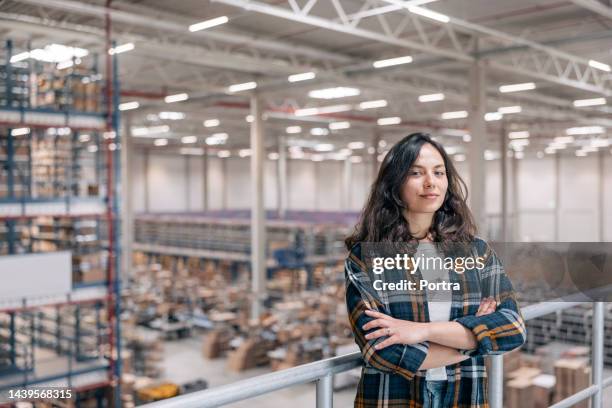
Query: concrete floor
[183,362]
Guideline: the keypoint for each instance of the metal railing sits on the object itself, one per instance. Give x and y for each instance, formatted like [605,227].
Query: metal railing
[322,372]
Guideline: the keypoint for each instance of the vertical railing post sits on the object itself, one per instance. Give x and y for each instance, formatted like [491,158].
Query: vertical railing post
[496,382]
[325,392]
[597,350]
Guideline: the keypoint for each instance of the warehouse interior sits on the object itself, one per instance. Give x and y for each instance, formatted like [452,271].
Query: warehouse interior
[177,180]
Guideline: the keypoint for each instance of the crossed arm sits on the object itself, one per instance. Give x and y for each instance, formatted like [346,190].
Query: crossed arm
[445,338]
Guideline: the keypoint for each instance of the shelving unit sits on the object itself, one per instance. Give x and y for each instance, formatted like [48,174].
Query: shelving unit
[57,186]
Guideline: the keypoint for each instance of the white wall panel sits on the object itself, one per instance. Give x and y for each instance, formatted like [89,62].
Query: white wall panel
[216,183]
[361,182]
[301,184]
[329,185]
[607,215]
[136,166]
[167,183]
[579,205]
[238,182]
[195,183]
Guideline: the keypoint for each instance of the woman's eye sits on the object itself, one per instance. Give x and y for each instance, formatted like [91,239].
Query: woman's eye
[440,173]
[415,173]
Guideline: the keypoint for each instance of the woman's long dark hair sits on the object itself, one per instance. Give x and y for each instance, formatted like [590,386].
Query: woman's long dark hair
[382,219]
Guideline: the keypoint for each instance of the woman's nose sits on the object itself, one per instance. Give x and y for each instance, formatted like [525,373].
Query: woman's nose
[429,181]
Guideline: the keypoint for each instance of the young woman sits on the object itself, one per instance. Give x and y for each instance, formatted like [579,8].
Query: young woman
[420,353]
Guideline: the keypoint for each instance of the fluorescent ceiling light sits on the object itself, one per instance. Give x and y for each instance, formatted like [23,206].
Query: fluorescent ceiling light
[491,116]
[526,86]
[223,153]
[491,155]
[392,120]
[248,118]
[20,57]
[109,135]
[346,151]
[506,110]
[189,139]
[580,153]
[519,142]
[407,59]
[121,48]
[333,93]
[160,142]
[171,115]
[564,139]
[431,97]
[467,138]
[244,152]
[273,156]
[589,149]
[453,132]
[339,125]
[152,130]
[324,147]
[84,138]
[522,134]
[319,132]
[316,157]
[293,129]
[429,14]
[550,150]
[176,98]
[211,123]
[584,130]
[92,148]
[195,151]
[322,110]
[454,115]
[519,155]
[356,145]
[128,106]
[599,65]
[301,77]
[459,157]
[355,159]
[245,86]
[57,53]
[20,131]
[379,103]
[600,143]
[213,22]
[557,146]
[580,103]
[216,139]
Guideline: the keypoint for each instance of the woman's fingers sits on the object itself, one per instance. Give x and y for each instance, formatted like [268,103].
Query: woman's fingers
[487,306]
[379,315]
[375,323]
[376,334]
[388,342]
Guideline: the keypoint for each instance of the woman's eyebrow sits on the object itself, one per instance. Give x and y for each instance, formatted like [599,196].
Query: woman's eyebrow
[422,167]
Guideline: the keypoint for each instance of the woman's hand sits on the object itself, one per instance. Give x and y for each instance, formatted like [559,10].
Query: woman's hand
[407,332]
[399,331]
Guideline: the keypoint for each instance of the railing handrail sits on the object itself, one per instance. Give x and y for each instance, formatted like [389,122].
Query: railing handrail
[306,373]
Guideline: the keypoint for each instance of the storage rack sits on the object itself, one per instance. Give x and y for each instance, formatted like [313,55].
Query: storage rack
[45,206]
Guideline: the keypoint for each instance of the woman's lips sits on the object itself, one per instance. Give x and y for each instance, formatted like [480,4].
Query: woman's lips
[430,196]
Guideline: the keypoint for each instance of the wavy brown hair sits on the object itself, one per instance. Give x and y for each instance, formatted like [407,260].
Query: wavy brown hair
[382,218]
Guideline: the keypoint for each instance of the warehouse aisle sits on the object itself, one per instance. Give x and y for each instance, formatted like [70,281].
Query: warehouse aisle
[183,362]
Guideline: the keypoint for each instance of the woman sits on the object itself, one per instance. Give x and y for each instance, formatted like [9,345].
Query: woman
[420,353]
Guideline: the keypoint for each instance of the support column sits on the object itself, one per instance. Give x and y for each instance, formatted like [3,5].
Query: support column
[147,153]
[503,148]
[188,182]
[281,177]
[374,154]
[516,219]
[476,148]
[600,193]
[258,220]
[346,185]
[127,188]
[557,196]
[205,180]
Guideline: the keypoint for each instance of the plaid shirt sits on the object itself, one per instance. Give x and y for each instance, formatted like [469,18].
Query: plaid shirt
[391,377]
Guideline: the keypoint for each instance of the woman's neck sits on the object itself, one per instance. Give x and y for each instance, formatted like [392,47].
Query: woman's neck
[419,223]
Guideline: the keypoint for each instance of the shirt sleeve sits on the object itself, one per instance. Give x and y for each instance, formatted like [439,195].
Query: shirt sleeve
[503,330]
[404,360]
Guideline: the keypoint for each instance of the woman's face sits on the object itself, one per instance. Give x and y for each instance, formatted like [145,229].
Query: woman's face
[426,184]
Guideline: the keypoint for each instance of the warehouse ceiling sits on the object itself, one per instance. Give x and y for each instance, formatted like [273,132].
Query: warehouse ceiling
[563,47]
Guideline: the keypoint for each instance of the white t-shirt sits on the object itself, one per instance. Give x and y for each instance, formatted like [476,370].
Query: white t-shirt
[439,302]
